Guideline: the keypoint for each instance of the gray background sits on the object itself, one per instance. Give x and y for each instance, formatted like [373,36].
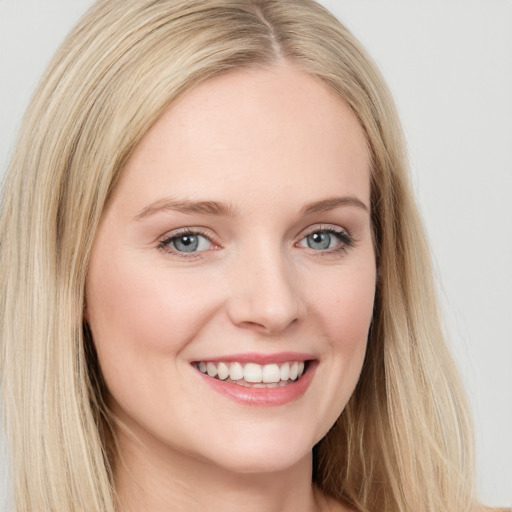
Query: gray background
[449,65]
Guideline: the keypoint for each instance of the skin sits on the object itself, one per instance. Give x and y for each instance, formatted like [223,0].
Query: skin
[266,142]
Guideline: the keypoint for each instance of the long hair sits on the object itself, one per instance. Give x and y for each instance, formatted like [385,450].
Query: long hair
[403,442]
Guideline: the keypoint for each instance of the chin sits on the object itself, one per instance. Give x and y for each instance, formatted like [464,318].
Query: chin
[263,453]
[264,463]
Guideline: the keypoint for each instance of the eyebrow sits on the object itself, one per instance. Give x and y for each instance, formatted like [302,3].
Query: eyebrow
[331,203]
[227,210]
[185,206]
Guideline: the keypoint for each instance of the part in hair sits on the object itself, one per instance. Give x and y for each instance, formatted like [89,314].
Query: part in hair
[403,442]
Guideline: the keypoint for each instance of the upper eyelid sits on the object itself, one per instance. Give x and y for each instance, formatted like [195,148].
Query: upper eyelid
[347,239]
[205,232]
[164,242]
[324,227]
[187,231]
[199,230]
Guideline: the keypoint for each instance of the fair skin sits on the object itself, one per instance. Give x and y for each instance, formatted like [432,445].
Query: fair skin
[239,232]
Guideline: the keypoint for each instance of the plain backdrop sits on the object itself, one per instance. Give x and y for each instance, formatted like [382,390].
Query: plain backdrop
[449,66]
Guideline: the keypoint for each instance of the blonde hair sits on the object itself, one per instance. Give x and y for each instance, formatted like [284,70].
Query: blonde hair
[403,442]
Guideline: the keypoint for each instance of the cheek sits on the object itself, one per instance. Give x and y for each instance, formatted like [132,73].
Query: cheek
[138,313]
[346,306]
[141,320]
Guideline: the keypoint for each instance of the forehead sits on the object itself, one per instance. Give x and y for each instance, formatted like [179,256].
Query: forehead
[278,130]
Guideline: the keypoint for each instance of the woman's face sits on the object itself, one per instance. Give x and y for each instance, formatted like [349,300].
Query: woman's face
[237,243]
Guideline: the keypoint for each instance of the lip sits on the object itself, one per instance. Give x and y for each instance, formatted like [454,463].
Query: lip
[254,357]
[263,397]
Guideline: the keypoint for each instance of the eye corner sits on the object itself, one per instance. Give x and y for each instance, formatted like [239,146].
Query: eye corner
[332,240]
[187,243]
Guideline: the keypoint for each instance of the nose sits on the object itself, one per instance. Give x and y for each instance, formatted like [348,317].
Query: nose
[265,294]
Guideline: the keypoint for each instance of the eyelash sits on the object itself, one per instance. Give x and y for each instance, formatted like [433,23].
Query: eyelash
[346,241]
[164,244]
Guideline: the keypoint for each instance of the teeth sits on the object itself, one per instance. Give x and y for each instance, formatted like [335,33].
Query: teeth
[211,369]
[271,373]
[222,371]
[294,370]
[236,371]
[253,374]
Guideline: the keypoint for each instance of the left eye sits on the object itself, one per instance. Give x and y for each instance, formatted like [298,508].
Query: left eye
[322,240]
[188,242]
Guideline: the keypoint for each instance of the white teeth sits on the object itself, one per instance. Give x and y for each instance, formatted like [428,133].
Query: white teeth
[271,373]
[222,371]
[294,370]
[236,371]
[211,369]
[253,374]
[285,371]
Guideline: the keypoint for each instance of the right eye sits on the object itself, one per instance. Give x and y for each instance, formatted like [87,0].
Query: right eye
[329,239]
[186,242]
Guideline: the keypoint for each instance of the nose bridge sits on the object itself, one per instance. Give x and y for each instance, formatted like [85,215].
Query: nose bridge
[265,293]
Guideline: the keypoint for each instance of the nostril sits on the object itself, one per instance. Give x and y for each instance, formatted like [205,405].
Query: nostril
[263,320]
[265,300]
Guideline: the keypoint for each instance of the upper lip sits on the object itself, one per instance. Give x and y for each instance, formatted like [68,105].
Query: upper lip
[259,358]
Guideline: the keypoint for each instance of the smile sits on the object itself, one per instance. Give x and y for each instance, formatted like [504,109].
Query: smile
[253,374]
[259,379]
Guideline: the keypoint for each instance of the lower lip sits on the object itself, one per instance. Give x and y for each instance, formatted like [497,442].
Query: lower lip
[265,397]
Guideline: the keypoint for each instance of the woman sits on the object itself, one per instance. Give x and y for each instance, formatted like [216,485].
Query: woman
[216,291]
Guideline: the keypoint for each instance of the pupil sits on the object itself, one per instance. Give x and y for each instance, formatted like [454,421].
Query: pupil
[320,240]
[186,243]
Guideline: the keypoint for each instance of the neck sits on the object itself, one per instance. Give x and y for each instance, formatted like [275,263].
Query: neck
[169,482]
